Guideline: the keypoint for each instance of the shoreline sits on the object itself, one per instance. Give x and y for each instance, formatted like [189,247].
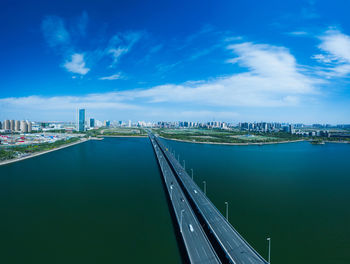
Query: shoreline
[338,142]
[5,162]
[128,136]
[236,144]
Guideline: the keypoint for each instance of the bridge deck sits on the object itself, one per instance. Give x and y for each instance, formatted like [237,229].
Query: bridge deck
[198,247]
[236,249]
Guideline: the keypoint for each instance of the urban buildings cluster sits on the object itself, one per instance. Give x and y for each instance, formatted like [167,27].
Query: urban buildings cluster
[315,130]
[265,127]
[9,126]
[83,124]
[189,124]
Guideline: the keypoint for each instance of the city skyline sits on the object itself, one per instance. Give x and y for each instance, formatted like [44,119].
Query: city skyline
[177,61]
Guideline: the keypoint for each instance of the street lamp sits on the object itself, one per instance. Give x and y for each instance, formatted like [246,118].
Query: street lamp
[269,256]
[183,210]
[171,192]
[205,187]
[192,174]
[226,203]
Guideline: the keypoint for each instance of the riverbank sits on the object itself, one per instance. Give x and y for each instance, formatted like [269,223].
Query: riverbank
[128,136]
[338,142]
[5,162]
[237,144]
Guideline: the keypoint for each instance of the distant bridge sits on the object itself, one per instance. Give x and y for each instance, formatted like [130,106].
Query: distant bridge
[207,235]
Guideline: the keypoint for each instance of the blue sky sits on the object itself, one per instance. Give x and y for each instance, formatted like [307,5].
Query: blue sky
[176,60]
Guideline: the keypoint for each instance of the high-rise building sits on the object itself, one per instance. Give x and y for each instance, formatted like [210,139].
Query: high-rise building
[7,124]
[92,122]
[24,127]
[0,125]
[81,120]
[29,126]
[107,123]
[18,125]
[12,125]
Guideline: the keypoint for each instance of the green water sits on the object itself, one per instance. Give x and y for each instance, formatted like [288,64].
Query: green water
[299,194]
[103,202]
[96,202]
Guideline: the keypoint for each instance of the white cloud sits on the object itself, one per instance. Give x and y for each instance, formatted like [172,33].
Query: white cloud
[336,53]
[76,64]
[273,79]
[117,53]
[337,44]
[120,44]
[298,33]
[42,103]
[64,42]
[55,31]
[116,76]
[82,23]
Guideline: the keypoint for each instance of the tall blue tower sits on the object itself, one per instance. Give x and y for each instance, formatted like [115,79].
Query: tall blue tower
[81,120]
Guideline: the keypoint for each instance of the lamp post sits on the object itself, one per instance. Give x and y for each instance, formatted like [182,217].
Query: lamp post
[205,187]
[269,255]
[192,174]
[226,203]
[183,210]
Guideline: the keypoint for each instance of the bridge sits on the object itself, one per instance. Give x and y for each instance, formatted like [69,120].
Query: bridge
[215,235]
[198,248]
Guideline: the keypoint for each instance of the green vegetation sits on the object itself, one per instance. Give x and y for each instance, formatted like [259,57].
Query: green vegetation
[122,131]
[10,152]
[7,154]
[224,136]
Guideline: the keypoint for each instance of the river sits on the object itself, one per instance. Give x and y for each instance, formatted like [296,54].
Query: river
[103,201]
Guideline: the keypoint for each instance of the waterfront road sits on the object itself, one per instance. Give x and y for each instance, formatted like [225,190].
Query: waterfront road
[197,245]
[221,232]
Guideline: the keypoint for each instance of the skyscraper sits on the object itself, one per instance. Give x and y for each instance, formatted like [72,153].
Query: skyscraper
[24,127]
[92,122]
[81,120]
[18,125]
[12,125]
[29,126]
[107,123]
[7,124]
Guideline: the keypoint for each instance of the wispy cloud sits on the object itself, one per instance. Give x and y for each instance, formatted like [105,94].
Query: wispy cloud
[298,33]
[76,64]
[82,23]
[336,53]
[120,44]
[116,76]
[272,79]
[55,31]
[65,41]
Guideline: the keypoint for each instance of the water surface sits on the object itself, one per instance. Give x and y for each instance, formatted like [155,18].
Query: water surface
[103,202]
[297,193]
[95,202]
